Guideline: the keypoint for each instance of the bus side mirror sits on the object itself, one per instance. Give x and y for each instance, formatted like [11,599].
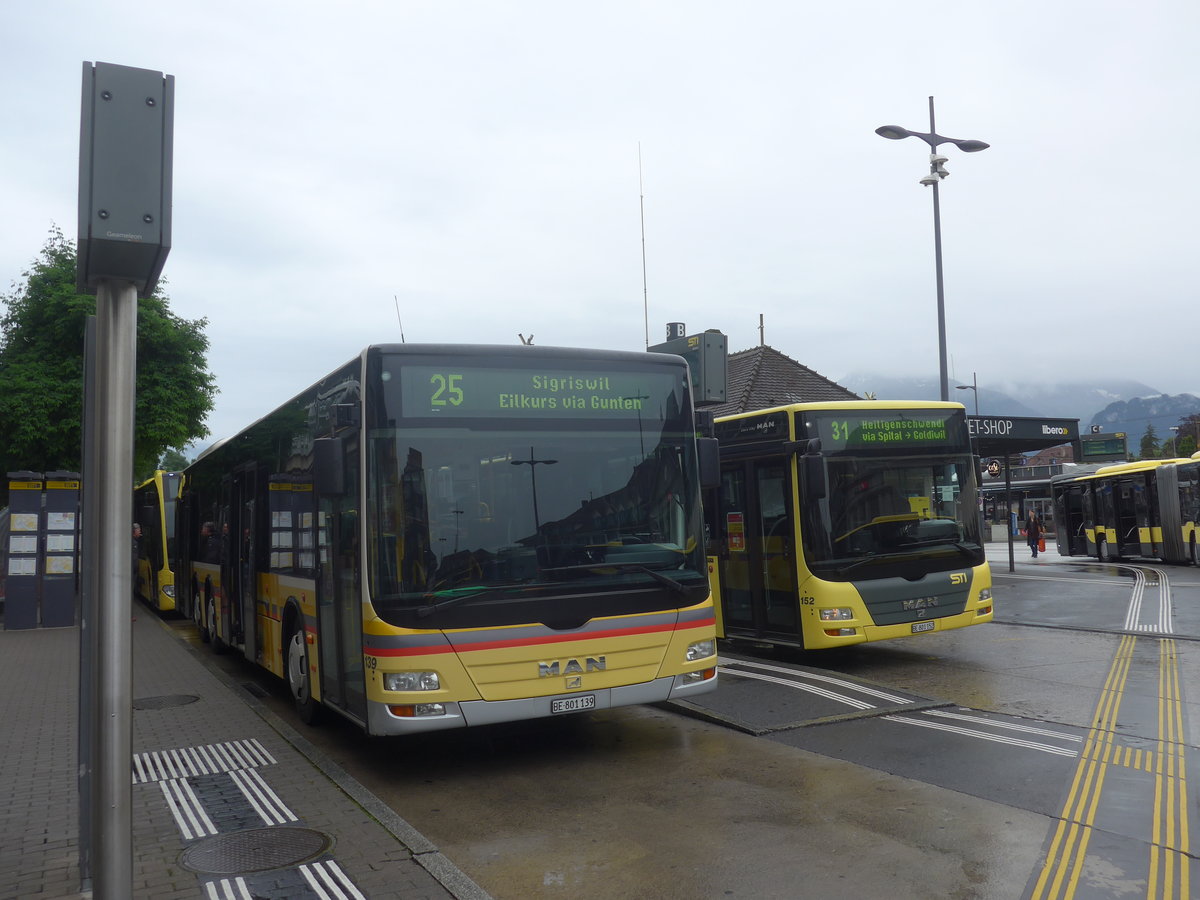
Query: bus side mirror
[708,452]
[331,466]
[814,476]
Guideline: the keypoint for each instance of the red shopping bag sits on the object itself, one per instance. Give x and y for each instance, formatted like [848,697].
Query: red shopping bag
[1041,544]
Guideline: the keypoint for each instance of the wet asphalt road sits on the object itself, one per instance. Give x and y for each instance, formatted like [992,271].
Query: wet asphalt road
[1038,755]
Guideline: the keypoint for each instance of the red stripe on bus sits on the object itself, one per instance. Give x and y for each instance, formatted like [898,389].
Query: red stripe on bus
[535,641]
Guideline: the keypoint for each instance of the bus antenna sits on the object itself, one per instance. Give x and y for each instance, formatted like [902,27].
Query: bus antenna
[642,214]
[397,299]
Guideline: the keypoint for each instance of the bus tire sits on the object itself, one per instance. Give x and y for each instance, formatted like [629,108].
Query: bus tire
[1193,551]
[1102,552]
[199,612]
[210,616]
[298,674]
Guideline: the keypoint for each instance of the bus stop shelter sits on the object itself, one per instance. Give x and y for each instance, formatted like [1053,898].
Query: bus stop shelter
[996,439]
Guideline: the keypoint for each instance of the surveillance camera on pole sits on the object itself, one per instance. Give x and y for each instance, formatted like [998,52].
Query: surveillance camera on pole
[937,172]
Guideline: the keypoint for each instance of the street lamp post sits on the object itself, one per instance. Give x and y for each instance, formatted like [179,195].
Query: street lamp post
[533,463]
[1174,434]
[937,171]
[973,386]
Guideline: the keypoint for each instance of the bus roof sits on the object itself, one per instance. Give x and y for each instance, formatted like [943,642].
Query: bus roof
[847,404]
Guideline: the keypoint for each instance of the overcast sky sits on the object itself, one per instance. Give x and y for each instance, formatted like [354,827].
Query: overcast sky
[478,163]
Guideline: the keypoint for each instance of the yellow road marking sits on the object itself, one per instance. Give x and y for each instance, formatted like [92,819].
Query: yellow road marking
[1169,873]
[1064,859]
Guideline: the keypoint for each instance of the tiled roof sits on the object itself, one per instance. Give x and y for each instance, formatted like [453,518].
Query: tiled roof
[762,377]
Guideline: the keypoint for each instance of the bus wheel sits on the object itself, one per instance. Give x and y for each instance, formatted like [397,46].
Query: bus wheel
[299,683]
[199,613]
[1102,551]
[1194,562]
[210,614]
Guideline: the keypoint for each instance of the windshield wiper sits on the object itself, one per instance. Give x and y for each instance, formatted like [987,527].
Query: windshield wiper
[676,586]
[850,567]
[905,553]
[445,599]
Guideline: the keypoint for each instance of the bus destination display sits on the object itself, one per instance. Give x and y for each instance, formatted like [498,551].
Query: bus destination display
[459,391]
[887,429]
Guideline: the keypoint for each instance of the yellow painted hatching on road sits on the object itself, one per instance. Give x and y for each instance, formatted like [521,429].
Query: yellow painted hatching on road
[1169,876]
[1169,872]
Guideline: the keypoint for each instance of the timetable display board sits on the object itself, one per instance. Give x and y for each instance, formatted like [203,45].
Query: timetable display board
[457,391]
[889,429]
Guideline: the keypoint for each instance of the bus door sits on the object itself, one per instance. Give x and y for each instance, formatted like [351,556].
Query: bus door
[1129,500]
[241,569]
[1073,519]
[758,558]
[1087,530]
[339,597]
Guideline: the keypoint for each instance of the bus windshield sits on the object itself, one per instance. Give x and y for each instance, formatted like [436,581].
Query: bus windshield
[481,507]
[882,512]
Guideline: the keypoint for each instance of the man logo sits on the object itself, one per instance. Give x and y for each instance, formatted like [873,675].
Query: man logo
[958,577]
[571,667]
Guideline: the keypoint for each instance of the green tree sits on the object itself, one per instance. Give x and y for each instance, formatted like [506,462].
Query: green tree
[173,460]
[41,371]
[1189,426]
[1149,443]
[1186,445]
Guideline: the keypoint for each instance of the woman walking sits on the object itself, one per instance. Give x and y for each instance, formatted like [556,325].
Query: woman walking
[1033,531]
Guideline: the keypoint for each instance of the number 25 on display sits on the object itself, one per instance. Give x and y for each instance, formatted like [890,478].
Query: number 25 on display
[446,389]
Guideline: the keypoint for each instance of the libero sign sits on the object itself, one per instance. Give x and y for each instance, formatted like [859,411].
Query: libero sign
[1020,429]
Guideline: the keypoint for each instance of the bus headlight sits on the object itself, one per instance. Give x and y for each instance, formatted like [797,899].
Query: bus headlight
[169,590]
[985,594]
[411,681]
[701,650]
[835,614]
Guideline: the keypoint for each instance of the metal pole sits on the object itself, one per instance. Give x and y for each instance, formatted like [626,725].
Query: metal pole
[937,261]
[112,830]
[88,728]
[1008,525]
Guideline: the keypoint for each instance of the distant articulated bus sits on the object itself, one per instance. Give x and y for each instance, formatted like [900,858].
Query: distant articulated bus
[1148,509]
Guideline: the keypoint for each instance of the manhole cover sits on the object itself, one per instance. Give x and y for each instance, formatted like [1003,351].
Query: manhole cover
[255,850]
[164,702]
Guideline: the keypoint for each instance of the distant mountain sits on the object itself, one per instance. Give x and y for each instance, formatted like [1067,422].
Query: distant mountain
[1132,416]
[1042,399]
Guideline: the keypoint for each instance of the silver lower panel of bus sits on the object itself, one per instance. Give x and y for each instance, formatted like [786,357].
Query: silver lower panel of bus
[489,712]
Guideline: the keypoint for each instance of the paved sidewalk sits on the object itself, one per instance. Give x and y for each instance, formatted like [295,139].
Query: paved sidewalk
[997,554]
[228,801]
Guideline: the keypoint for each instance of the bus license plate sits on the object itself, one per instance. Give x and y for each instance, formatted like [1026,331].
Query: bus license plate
[575,704]
[923,626]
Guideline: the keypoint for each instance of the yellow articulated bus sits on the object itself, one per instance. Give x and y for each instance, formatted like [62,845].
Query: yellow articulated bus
[154,510]
[442,536]
[839,523]
[1147,509]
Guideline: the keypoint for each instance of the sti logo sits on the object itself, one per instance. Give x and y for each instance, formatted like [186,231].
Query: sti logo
[958,577]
